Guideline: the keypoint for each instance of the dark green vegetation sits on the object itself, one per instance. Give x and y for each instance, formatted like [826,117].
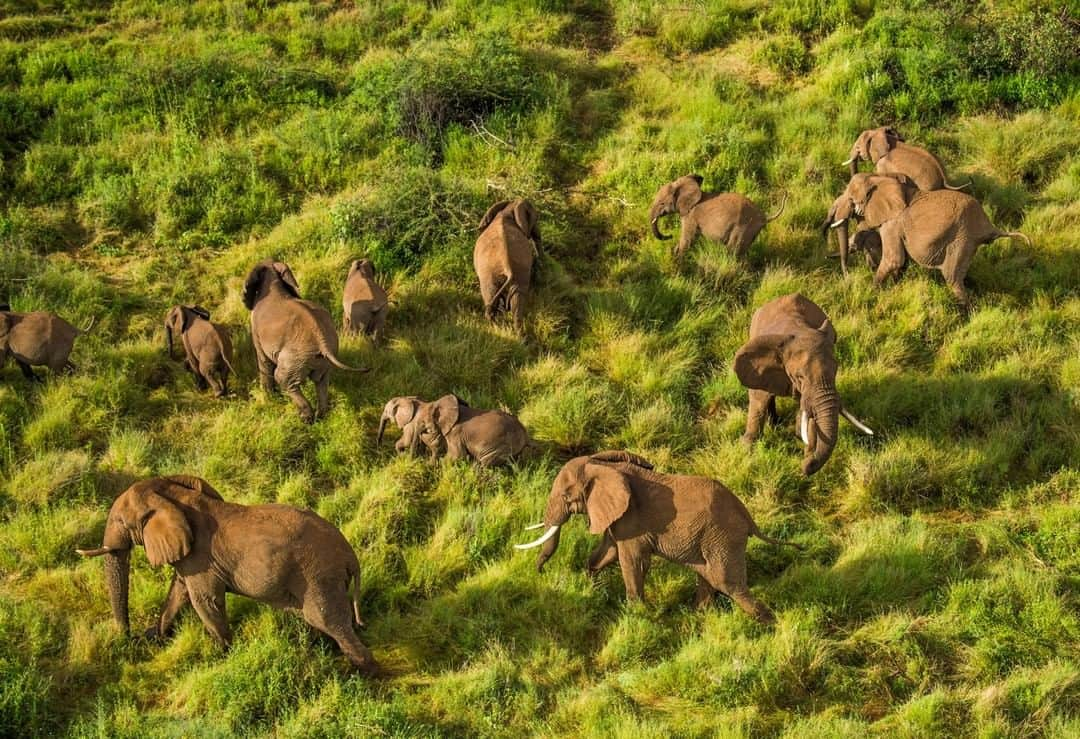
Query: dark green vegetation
[150,154]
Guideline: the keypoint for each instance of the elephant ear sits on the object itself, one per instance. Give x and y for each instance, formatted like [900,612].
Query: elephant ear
[688,194]
[446,411]
[886,198]
[492,212]
[759,364]
[287,278]
[253,283]
[404,410]
[526,217]
[197,484]
[621,456]
[175,319]
[608,496]
[826,328]
[165,532]
[881,143]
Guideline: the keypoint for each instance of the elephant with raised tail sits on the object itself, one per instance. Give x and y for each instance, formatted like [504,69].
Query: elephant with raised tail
[37,339]
[639,513]
[279,555]
[207,348]
[364,302]
[505,257]
[790,353]
[892,156]
[725,217]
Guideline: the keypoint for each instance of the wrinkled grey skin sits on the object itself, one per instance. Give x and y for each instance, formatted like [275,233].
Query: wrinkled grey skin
[207,348]
[401,411]
[489,437]
[892,156]
[893,194]
[364,303]
[37,339]
[505,258]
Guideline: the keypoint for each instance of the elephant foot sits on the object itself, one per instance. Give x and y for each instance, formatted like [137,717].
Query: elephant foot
[153,634]
[307,416]
[748,439]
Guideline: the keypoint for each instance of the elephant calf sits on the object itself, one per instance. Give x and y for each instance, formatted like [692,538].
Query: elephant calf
[504,258]
[37,339]
[489,437]
[207,348]
[694,521]
[277,554]
[364,302]
[402,412]
[790,353]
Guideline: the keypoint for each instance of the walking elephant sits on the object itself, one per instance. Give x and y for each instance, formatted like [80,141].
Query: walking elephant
[506,254]
[489,437]
[728,218]
[893,193]
[37,339]
[790,353]
[639,512]
[279,555]
[364,302]
[207,348]
[294,339]
[401,411]
[892,156]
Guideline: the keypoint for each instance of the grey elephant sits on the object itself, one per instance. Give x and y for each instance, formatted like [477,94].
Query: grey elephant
[639,512]
[893,193]
[727,217]
[790,353]
[37,339]
[940,229]
[505,257]
[294,339]
[892,156]
[364,303]
[279,555]
[401,411]
[207,347]
[489,437]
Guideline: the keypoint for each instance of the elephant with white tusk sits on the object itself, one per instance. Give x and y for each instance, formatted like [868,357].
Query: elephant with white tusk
[37,339]
[207,348]
[894,192]
[401,411]
[892,156]
[790,353]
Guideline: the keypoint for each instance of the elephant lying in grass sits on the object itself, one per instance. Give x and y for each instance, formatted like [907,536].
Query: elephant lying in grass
[691,520]
[892,156]
[207,348]
[489,437]
[790,353]
[277,554]
[401,411]
[728,218]
[37,339]
[505,257]
[364,303]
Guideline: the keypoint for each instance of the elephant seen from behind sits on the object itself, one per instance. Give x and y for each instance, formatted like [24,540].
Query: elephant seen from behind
[506,256]
[37,339]
[489,437]
[207,347]
[364,302]
[891,155]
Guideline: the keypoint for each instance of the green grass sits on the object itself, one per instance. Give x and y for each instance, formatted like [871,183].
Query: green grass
[151,152]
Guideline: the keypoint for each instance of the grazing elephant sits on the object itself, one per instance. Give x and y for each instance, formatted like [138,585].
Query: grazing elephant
[280,555]
[891,156]
[691,520]
[939,229]
[401,411]
[207,348]
[37,339]
[294,339]
[790,353]
[489,437]
[364,301]
[505,259]
[893,193]
[727,217]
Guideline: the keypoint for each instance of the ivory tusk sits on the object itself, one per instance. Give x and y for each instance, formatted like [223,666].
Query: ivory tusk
[849,161]
[94,552]
[856,422]
[535,526]
[547,535]
[802,429]
[837,224]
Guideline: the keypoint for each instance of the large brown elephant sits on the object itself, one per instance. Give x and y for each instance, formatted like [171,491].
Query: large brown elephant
[691,520]
[728,218]
[892,156]
[276,554]
[790,353]
[207,347]
[37,339]
[401,411]
[506,254]
[489,437]
[294,339]
[940,229]
[893,193]
[363,301]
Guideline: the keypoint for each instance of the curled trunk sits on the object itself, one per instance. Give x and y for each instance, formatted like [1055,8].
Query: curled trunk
[117,570]
[555,515]
[825,410]
[656,229]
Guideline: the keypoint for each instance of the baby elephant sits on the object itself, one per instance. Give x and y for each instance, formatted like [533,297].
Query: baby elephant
[37,339]
[489,437]
[277,554]
[207,348]
[694,521]
[364,301]
[401,411]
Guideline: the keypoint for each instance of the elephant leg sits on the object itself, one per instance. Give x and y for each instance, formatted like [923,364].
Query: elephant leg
[516,305]
[346,322]
[28,373]
[208,599]
[175,602]
[488,289]
[333,617]
[456,448]
[377,325]
[634,560]
[705,593]
[322,393]
[267,370]
[291,388]
[773,416]
[893,255]
[215,382]
[603,555]
[726,571]
[760,403]
[686,237]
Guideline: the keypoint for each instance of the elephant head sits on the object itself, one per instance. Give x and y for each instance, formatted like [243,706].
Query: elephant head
[872,144]
[364,266]
[870,198]
[680,195]
[179,320]
[401,411]
[589,485]
[264,277]
[525,216]
[145,514]
[435,420]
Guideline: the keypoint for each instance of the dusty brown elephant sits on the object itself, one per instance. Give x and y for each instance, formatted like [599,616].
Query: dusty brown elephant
[940,229]
[727,217]
[37,339]
[691,520]
[506,254]
[401,411]
[489,437]
[893,192]
[207,348]
[892,156]
[294,339]
[279,555]
[364,302]
[790,353]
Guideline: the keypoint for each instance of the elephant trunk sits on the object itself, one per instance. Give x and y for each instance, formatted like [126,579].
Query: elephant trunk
[853,164]
[842,243]
[824,412]
[168,340]
[382,428]
[554,517]
[656,230]
[117,570]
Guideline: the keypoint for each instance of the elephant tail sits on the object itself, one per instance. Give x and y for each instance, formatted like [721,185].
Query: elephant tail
[956,187]
[755,531]
[776,215]
[89,326]
[354,595]
[1014,234]
[332,358]
[495,297]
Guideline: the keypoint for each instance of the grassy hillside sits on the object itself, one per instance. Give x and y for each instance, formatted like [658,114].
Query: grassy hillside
[151,153]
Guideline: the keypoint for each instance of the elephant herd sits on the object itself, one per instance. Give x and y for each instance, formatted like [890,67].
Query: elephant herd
[290,558]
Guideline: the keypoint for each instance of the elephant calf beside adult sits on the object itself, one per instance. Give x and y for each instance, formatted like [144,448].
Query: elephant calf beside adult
[505,257]
[892,156]
[401,411]
[790,353]
[489,437]
[37,339]
[207,348]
